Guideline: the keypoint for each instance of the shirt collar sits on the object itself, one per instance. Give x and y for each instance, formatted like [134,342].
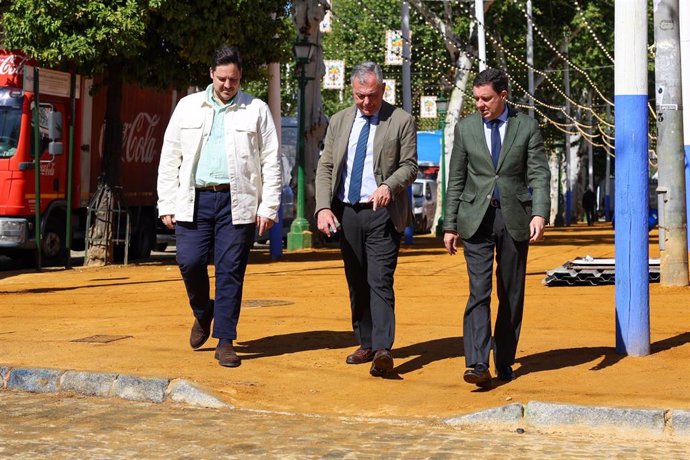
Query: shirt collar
[374,119]
[503,117]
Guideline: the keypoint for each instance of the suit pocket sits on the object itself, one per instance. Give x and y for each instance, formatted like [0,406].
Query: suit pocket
[524,197]
[467,197]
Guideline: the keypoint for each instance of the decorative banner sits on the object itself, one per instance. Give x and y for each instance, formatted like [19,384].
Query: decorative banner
[389,94]
[394,47]
[327,23]
[335,75]
[427,107]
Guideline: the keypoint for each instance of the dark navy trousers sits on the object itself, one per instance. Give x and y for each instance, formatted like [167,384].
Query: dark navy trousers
[213,237]
[370,244]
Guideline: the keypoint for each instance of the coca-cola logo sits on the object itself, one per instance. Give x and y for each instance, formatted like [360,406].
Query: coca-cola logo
[138,139]
[12,64]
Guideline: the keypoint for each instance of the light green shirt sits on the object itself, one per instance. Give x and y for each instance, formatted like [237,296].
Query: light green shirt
[212,168]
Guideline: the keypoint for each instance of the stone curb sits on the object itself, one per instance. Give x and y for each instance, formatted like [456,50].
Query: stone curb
[535,414]
[551,416]
[133,388]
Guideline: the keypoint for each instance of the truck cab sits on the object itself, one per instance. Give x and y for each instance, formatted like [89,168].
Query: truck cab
[144,115]
[18,136]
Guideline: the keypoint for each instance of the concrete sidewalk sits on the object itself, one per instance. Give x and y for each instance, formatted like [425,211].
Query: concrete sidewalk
[133,323]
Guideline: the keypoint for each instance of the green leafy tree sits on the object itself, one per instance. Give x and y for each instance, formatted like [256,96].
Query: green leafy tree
[160,43]
[359,34]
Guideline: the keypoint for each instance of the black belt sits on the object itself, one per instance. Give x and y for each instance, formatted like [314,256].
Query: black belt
[359,206]
[495,203]
[214,188]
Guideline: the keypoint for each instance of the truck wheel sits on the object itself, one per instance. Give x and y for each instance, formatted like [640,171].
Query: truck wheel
[53,246]
[143,238]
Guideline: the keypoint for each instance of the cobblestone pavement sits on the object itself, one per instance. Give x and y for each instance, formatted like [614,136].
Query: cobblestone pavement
[57,426]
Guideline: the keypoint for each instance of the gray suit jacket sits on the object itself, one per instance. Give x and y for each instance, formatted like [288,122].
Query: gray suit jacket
[472,177]
[395,159]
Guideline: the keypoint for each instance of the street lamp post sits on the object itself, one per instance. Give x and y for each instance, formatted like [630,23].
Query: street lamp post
[442,108]
[299,236]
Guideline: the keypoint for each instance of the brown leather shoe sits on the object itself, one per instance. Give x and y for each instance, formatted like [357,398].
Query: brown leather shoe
[360,356]
[382,364]
[226,356]
[201,331]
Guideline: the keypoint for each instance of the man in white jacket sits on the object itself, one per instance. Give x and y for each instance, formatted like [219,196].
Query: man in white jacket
[219,180]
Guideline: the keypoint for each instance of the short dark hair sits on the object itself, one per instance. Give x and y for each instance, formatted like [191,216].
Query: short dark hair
[495,77]
[227,55]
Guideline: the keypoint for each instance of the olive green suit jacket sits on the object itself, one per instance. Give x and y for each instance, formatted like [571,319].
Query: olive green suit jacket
[522,177]
[395,159]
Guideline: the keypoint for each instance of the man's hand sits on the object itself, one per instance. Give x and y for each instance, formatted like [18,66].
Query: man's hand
[450,241]
[536,229]
[326,222]
[381,197]
[263,224]
[168,220]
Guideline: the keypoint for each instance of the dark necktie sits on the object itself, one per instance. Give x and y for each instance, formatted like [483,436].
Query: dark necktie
[495,150]
[495,140]
[358,163]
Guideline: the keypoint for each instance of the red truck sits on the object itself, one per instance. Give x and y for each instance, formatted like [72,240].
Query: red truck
[145,114]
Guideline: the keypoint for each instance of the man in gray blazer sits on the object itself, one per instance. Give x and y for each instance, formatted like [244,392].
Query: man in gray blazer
[368,161]
[497,201]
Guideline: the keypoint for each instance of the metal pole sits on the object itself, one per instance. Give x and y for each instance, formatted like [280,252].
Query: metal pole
[590,152]
[299,236]
[37,170]
[70,166]
[276,232]
[632,178]
[406,70]
[568,172]
[674,251]
[407,90]
[481,40]
[530,58]
[607,180]
[684,16]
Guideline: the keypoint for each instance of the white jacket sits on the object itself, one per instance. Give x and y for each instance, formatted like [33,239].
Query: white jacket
[251,145]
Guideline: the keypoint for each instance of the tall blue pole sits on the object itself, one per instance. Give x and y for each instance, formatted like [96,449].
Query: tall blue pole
[632,178]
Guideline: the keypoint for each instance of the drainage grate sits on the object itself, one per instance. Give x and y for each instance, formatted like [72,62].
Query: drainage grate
[255,303]
[102,338]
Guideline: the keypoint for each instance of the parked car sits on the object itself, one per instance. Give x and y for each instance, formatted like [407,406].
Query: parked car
[424,196]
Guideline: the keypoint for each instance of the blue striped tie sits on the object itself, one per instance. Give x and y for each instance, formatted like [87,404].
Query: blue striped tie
[358,164]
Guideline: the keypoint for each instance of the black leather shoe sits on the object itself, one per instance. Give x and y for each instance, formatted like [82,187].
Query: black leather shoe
[201,331]
[505,373]
[226,356]
[382,363]
[360,356]
[479,375]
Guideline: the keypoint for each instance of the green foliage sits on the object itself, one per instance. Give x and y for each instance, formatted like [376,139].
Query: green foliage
[359,34]
[156,42]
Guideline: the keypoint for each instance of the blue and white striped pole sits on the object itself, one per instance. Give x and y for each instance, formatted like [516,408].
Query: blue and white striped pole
[632,178]
[684,23]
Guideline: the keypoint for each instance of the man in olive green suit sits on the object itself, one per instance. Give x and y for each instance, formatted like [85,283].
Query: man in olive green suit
[497,201]
[368,161]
